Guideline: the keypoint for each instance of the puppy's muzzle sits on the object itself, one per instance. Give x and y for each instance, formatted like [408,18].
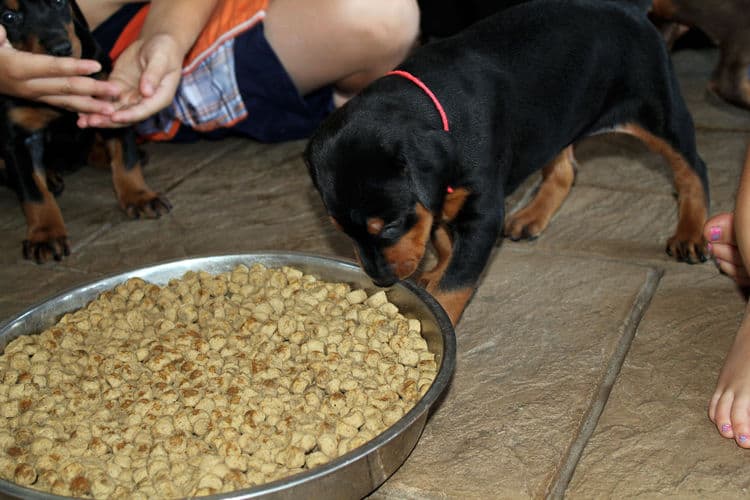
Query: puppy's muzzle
[59,47]
[378,269]
[384,283]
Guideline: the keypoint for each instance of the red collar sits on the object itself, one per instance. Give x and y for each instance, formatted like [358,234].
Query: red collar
[419,83]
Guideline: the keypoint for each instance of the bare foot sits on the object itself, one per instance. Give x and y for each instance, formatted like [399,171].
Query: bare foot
[719,232]
[729,408]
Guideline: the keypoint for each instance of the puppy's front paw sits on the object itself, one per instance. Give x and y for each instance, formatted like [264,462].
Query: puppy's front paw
[43,248]
[692,250]
[145,204]
[525,224]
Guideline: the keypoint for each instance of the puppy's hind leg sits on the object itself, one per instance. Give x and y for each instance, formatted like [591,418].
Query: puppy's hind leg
[557,180]
[690,180]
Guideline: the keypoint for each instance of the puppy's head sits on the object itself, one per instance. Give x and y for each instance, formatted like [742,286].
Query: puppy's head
[43,26]
[381,183]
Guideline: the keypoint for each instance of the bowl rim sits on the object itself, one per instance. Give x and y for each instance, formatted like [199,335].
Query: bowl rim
[423,406]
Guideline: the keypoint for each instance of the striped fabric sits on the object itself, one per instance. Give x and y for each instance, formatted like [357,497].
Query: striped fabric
[208,96]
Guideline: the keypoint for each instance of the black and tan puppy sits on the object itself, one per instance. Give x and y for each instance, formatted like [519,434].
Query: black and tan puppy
[33,136]
[431,152]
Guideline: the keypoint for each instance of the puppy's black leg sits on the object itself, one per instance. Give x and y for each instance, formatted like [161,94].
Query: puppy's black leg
[691,182]
[133,195]
[46,235]
[557,179]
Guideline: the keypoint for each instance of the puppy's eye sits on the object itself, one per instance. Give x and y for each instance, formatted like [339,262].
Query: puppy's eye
[59,3]
[10,18]
[391,231]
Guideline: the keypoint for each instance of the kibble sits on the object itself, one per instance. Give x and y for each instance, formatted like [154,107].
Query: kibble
[210,384]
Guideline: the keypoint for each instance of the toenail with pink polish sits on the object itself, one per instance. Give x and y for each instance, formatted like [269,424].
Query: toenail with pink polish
[743,438]
[715,233]
[725,427]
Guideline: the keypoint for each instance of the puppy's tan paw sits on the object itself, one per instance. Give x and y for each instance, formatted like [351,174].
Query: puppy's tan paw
[145,204]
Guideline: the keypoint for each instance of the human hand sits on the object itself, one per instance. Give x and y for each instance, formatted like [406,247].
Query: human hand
[58,81]
[148,72]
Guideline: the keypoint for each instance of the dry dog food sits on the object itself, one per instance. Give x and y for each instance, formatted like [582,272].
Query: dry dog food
[210,384]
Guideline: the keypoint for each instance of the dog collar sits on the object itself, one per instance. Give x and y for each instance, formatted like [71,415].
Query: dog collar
[419,83]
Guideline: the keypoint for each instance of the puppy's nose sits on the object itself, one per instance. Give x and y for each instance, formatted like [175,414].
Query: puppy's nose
[384,282]
[61,48]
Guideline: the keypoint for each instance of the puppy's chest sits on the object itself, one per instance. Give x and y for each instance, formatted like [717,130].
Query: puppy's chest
[31,118]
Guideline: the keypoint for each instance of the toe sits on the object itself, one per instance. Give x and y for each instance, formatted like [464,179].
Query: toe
[720,229]
[723,414]
[740,415]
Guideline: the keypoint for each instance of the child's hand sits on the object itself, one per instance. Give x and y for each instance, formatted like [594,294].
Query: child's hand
[148,73]
[58,81]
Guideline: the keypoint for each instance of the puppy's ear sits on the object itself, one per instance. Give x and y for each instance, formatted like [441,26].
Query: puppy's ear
[89,48]
[431,161]
[78,15]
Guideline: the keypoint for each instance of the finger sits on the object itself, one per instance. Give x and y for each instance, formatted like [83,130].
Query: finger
[726,252]
[46,66]
[80,104]
[155,72]
[101,121]
[737,273]
[75,85]
[720,228]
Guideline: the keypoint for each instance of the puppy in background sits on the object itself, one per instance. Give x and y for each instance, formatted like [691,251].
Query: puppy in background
[37,139]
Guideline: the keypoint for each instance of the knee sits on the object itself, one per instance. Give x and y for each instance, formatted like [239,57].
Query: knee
[390,26]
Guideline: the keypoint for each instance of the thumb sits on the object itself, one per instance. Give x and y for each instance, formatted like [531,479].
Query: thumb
[156,69]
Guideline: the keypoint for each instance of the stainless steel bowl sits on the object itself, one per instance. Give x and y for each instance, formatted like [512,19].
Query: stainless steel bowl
[353,475]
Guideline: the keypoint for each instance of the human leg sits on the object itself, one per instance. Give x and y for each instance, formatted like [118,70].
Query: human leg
[347,43]
[729,408]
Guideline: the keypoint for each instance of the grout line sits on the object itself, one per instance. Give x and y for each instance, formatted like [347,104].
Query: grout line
[590,422]
[205,162]
[91,237]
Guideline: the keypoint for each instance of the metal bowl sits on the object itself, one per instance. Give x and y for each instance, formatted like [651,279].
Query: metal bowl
[353,475]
